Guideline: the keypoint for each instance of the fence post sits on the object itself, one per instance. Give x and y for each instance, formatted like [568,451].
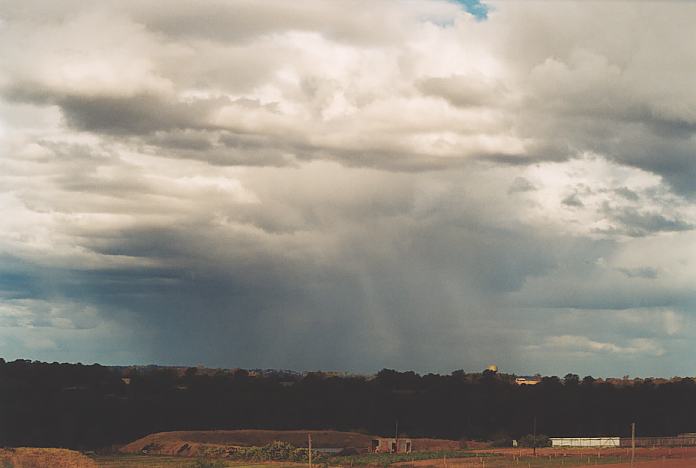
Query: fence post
[633,443]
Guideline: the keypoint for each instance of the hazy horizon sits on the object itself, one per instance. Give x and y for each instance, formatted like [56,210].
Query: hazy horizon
[366,373]
[422,185]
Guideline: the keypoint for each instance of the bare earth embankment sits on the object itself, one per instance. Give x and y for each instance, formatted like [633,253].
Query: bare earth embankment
[195,443]
[26,457]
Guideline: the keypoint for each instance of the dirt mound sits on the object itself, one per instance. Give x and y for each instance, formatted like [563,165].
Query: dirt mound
[193,443]
[26,457]
[188,443]
[435,445]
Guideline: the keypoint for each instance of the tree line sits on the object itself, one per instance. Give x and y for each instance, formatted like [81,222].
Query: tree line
[92,406]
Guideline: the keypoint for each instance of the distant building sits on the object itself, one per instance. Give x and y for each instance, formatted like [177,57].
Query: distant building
[596,442]
[527,380]
[387,445]
[682,440]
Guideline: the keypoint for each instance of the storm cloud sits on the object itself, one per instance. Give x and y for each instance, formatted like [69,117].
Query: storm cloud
[421,184]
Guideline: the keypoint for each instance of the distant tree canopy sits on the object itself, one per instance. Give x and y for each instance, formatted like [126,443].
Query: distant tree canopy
[78,406]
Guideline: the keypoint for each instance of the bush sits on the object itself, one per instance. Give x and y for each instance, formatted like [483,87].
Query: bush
[275,451]
[541,441]
[501,442]
[501,439]
[203,463]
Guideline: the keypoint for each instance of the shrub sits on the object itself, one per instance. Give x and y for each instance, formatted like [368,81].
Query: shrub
[541,441]
[501,439]
[275,451]
[502,442]
[203,463]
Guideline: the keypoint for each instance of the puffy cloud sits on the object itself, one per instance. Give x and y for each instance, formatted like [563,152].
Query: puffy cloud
[253,184]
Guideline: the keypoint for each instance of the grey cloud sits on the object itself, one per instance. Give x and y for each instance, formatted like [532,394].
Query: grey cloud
[264,185]
[222,147]
[464,91]
[138,114]
[520,184]
[243,21]
[573,200]
[637,223]
[134,115]
[628,143]
[645,272]
[627,193]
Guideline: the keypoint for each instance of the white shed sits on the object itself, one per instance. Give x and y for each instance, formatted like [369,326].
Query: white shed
[597,442]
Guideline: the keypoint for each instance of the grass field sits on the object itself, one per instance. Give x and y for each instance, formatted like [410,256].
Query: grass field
[385,459]
[163,461]
[491,458]
[457,459]
[500,461]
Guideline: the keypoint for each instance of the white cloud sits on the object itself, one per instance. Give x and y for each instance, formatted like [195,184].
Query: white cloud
[262,176]
[36,313]
[592,196]
[583,344]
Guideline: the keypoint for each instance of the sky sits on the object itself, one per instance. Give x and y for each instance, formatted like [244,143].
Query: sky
[340,185]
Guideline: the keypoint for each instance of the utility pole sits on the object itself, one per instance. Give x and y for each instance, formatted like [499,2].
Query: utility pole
[633,443]
[534,432]
[309,451]
[396,436]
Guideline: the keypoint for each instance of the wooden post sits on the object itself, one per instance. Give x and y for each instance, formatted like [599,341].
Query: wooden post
[633,442]
[534,443]
[309,452]
[396,436]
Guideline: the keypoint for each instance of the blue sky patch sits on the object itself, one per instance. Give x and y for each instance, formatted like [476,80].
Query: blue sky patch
[475,7]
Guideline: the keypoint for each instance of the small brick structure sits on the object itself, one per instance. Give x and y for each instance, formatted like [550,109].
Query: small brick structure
[391,445]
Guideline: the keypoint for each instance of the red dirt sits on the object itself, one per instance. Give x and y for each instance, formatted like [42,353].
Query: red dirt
[683,463]
[648,457]
[476,463]
[641,452]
